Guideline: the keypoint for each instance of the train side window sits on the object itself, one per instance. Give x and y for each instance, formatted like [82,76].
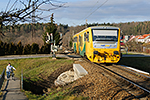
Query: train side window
[87,36]
[84,36]
[81,40]
[75,39]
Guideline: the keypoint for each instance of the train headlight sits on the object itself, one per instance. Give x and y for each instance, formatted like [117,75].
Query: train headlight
[95,52]
[116,53]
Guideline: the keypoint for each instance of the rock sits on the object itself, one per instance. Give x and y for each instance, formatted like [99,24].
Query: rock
[64,78]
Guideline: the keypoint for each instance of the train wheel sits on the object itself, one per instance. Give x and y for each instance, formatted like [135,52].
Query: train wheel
[85,56]
[75,52]
[109,64]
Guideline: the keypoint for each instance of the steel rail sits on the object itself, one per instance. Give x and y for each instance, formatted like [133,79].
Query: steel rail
[128,80]
[134,72]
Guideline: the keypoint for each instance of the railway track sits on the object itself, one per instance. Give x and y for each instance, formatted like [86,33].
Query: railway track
[136,84]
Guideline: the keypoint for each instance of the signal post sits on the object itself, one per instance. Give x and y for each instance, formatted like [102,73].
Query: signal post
[53,47]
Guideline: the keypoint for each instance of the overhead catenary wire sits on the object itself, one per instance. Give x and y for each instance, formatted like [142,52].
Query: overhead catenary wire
[94,5]
[92,8]
[13,5]
[94,11]
[7,5]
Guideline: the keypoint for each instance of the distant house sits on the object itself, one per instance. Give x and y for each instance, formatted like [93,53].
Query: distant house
[140,39]
[143,38]
[131,38]
[135,38]
[147,40]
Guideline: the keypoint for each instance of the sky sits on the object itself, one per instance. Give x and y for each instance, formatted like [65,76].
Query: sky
[76,12]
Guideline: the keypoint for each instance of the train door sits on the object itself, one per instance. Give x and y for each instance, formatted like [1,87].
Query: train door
[81,44]
[89,47]
[77,44]
[84,48]
[87,44]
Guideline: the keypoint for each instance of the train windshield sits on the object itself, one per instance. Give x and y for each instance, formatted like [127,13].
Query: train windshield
[105,35]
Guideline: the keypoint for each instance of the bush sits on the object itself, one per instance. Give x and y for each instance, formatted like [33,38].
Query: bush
[11,48]
[2,51]
[34,48]
[19,49]
[27,49]
[45,49]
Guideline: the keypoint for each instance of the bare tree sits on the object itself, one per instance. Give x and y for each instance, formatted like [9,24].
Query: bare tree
[26,11]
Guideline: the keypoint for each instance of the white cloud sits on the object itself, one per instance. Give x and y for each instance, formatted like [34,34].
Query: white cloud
[113,11]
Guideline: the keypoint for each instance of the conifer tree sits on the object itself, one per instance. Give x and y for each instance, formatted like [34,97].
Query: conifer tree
[45,49]
[34,48]
[27,49]
[11,48]
[19,49]
[2,51]
[6,46]
[52,28]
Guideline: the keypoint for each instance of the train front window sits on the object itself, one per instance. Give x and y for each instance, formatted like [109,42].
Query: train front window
[105,35]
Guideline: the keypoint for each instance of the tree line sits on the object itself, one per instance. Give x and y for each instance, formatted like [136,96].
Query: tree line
[129,28]
[24,32]
[23,28]
[19,49]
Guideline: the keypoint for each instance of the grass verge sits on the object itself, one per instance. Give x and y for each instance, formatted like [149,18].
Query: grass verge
[39,75]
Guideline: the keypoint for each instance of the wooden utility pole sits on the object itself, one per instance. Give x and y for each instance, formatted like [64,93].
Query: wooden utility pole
[86,23]
[33,19]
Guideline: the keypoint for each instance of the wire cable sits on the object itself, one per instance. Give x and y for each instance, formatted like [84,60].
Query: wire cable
[94,11]
[7,5]
[13,5]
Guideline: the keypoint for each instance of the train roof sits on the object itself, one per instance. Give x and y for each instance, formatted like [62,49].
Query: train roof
[99,27]
[103,27]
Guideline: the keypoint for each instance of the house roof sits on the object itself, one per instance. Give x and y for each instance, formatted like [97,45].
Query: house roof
[144,36]
[132,37]
[141,37]
[137,36]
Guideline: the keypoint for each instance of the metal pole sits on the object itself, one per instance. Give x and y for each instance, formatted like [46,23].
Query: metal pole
[2,77]
[54,55]
[22,79]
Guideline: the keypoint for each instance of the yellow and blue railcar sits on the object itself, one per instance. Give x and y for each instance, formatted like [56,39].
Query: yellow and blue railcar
[75,43]
[100,44]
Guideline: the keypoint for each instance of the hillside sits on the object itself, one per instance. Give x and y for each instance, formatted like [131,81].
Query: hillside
[32,33]
[134,28]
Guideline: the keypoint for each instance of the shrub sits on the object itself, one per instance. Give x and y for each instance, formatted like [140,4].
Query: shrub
[2,51]
[34,48]
[19,49]
[27,49]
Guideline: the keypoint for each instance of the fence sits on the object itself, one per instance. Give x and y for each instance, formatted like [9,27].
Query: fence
[146,49]
[2,77]
[21,82]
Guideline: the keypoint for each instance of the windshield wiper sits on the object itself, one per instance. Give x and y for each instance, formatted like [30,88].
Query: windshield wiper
[105,39]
